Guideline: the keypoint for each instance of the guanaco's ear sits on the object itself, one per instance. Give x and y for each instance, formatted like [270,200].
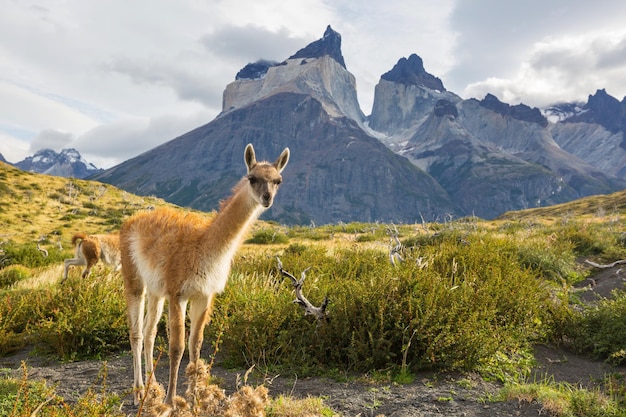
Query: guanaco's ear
[249,157]
[282,160]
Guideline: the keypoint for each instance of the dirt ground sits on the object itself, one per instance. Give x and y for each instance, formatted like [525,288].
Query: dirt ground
[433,395]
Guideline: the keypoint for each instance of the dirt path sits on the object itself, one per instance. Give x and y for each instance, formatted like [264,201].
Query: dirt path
[429,395]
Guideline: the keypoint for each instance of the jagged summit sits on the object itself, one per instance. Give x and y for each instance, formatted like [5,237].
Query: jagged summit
[330,45]
[411,72]
[404,97]
[605,110]
[316,70]
[519,112]
[67,163]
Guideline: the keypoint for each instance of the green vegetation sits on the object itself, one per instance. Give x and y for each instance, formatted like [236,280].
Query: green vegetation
[465,295]
[13,274]
[76,320]
[23,398]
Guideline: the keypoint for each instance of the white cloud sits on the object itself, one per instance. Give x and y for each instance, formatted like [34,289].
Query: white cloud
[32,110]
[51,139]
[250,43]
[13,149]
[115,78]
[567,68]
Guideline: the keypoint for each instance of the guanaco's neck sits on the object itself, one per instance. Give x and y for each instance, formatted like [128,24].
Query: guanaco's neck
[234,219]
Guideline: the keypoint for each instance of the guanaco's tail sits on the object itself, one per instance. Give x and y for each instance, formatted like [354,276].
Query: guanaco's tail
[78,236]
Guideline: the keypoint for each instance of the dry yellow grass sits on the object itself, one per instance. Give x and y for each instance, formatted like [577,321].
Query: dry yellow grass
[35,205]
[593,207]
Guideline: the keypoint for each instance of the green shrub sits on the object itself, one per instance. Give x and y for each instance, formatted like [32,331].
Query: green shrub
[12,274]
[21,398]
[268,236]
[83,318]
[25,397]
[600,331]
[29,256]
[451,307]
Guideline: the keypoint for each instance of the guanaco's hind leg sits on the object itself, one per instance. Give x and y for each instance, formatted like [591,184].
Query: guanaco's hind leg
[154,310]
[135,302]
[77,260]
[177,308]
[199,315]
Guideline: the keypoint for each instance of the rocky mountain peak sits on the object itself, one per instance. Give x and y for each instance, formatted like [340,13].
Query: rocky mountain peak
[411,72]
[330,45]
[316,70]
[605,110]
[67,163]
[520,111]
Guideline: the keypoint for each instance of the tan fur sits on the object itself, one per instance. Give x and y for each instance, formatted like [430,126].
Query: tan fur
[180,257]
[91,248]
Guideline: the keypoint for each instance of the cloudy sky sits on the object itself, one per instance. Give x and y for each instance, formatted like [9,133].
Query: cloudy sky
[115,78]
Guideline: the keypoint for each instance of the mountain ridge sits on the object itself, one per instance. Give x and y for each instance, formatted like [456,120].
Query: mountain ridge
[66,163]
[481,157]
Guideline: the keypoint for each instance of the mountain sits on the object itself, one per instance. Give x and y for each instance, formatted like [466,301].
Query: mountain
[479,176]
[479,148]
[595,134]
[67,163]
[2,159]
[403,98]
[337,172]
[422,152]
[317,70]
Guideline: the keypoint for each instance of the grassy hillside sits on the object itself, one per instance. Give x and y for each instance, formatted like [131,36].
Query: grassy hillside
[594,207]
[33,206]
[463,295]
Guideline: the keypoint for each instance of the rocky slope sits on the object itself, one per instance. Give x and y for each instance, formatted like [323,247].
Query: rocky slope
[488,155]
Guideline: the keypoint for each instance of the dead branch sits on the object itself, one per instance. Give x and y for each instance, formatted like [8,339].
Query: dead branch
[395,250]
[41,406]
[622,261]
[309,309]
[43,251]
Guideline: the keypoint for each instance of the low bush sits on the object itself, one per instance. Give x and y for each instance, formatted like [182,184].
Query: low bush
[599,330]
[29,256]
[28,398]
[13,274]
[268,236]
[81,318]
[453,306]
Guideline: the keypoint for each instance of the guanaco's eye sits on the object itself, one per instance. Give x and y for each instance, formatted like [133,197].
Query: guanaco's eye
[252,180]
[278,182]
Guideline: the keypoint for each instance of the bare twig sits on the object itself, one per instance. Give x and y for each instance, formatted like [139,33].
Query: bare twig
[395,250]
[40,406]
[309,309]
[622,261]
[43,251]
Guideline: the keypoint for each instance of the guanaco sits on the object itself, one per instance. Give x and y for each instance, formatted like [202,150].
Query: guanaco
[181,257]
[89,249]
